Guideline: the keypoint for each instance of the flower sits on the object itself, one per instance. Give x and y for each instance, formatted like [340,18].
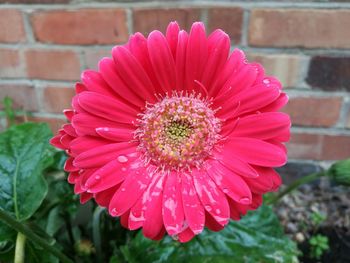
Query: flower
[173,134]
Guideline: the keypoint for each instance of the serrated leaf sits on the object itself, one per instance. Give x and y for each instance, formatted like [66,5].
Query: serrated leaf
[23,157]
[256,238]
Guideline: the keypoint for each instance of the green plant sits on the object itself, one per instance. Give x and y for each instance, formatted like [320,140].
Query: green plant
[319,244]
[10,113]
[317,218]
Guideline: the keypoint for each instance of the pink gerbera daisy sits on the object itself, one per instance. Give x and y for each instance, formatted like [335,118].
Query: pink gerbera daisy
[173,134]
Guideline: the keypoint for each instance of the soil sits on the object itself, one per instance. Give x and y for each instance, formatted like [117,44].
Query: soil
[320,208]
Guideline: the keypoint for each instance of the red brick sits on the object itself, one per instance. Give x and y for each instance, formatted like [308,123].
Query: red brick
[312,111]
[287,68]
[11,26]
[52,64]
[318,146]
[10,64]
[56,99]
[24,96]
[83,26]
[35,1]
[147,20]
[305,146]
[336,147]
[54,123]
[309,28]
[92,57]
[228,19]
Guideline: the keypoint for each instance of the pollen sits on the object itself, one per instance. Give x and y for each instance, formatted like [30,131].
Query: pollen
[178,132]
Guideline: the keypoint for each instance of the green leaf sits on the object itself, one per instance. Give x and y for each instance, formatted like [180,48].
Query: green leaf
[34,254]
[23,156]
[258,237]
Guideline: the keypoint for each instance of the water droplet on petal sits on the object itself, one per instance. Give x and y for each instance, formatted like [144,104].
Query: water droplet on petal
[97,177]
[208,208]
[245,201]
[123,189]
[114,212]
[123,169]
[122,159]
[218,211]
[225,190]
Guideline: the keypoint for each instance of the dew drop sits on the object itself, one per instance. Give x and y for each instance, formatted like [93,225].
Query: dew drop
[122,159]
[245,201]
[123,189]
[97,177]
[208,208]
[114,212]
[218,211]
[225,190]
[123,169]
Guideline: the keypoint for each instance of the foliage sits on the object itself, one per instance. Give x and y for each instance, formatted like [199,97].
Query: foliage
[340,172]
[318,245]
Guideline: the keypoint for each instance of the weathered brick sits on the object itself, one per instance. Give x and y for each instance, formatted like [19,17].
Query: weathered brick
[309,28]
[329,73]
[52,64]
[287,68]
[11,26]
[56,99]
[147,20]
[54,123]
[10,64]
[35,1]
[228,19]
[318,146]
[314,111]
[92,57]
[83,26]
[24,96]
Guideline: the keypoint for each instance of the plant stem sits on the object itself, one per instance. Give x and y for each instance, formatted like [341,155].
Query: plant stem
[20,246]
[96,234]
[19,227]
[304,180]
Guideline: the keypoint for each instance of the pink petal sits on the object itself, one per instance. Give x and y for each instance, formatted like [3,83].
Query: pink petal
[101,155]
[107,107]
[86,124]
[68,128]
[230,183]
[66,140]
[212,224]
[94,82]
[116,134]
[264,126]
[172,33]
[153,224]
[173,212]
[138,47]
[110,174]
[181,60]
[85,197]
[186,235]
[193,209]
[103,198]
[85,143]
[136,182]
[256,152]
[212,198]
[108,71]
[265,182]
[137,211]
[235,61]
[235,164]
[80,87]
[73,177]
[133,74]
[56,142]
[196,56]
[219,47]
[276,105]
[69,114]
[69,166]
[124,218]
[162,60]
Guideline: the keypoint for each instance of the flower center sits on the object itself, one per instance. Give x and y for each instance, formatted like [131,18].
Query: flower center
[178,132]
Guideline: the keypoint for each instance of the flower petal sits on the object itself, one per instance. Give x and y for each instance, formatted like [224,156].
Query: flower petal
[181,60]
[186,235]
[133,74]
[193,209]
[230,183]
[162,60]
[264,126]
[115,134]
[108,71]
[196,55]
[136,182]
[173,212]
[153,224]
[256,152]
[101,155]
[104,197]
[94,82]
[212,198]
[172,33]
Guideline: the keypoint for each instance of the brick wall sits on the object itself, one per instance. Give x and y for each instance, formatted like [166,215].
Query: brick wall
[44,45]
